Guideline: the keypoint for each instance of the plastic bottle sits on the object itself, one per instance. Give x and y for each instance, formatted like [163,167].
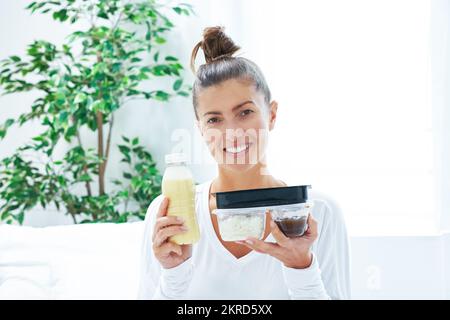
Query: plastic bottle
[178,185]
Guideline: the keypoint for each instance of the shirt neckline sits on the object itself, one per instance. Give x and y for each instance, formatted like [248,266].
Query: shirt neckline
[214,240]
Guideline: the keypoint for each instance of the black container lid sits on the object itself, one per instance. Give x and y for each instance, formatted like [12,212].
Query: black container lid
[262,197]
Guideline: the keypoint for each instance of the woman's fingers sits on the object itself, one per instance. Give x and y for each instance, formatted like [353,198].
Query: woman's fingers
[261,246]
[168,247]
[162,220]
[163,208]
[312,227]
[279,236]
[166,221]
[163,234]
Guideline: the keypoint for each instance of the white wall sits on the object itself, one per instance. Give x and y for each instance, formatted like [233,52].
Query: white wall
[440,63]
[400,267]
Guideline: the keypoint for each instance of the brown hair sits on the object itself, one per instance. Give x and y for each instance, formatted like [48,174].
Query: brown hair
[220,64]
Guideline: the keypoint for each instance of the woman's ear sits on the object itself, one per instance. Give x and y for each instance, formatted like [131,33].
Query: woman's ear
[273,114]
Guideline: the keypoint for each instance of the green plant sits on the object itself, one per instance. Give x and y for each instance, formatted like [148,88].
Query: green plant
[82,84]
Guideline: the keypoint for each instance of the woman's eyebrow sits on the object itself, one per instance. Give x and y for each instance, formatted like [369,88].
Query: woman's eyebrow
[234,108]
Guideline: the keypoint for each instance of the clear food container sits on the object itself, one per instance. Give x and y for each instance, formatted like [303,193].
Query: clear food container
[292,219]
[241,223]
[242,214]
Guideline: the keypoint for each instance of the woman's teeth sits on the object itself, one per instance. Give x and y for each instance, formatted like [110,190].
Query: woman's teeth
[237,149]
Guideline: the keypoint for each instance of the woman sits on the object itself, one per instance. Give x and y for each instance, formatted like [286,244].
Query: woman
[230,94]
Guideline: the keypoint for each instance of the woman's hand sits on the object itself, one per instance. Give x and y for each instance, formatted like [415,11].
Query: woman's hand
[293,252]
[169,254]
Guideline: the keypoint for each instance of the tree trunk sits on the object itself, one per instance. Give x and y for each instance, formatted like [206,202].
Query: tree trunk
[87,184]
[108,142]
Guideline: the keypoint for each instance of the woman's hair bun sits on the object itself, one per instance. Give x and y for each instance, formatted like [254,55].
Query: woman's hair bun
[216,45]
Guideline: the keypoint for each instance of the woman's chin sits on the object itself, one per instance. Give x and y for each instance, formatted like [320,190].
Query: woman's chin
[240,167]
[240,164]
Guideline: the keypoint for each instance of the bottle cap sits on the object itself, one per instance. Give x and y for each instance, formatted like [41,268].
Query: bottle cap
[175,158]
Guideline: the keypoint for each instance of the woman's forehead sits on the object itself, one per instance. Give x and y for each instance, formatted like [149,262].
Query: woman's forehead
[227,95]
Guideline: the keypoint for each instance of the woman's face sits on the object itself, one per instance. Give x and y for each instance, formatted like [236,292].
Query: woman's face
[234,120]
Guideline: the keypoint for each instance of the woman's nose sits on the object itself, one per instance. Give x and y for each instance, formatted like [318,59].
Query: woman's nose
[235,137]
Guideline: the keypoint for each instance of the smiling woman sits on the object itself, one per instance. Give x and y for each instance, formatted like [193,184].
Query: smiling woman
[237,134]
[234,114]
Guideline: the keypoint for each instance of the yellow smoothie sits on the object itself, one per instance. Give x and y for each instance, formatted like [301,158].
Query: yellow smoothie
[178,185]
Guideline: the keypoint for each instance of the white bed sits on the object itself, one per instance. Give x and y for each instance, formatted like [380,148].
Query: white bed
[90,261]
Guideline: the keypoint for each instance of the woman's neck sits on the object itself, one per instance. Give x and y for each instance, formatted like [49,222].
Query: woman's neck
[256,177]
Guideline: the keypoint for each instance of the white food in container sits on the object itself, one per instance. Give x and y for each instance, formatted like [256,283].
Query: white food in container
[239,224]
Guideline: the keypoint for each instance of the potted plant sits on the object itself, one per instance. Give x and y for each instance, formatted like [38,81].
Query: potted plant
[82,84]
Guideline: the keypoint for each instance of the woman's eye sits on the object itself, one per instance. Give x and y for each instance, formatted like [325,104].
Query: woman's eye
[246,112]
[212,120]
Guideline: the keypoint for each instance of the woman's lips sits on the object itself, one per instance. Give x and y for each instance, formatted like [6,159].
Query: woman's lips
[238,150]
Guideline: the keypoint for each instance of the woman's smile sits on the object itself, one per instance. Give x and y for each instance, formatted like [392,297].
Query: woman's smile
[238,150]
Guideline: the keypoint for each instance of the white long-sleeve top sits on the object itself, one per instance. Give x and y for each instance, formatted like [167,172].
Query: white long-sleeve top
[214,273]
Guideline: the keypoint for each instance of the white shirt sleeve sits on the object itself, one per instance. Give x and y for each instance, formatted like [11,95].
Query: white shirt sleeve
[331,250]
[174,282]
[305,284]
[157,283]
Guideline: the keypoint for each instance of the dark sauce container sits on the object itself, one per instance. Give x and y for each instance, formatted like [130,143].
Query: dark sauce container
[289,206]
[292,220]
